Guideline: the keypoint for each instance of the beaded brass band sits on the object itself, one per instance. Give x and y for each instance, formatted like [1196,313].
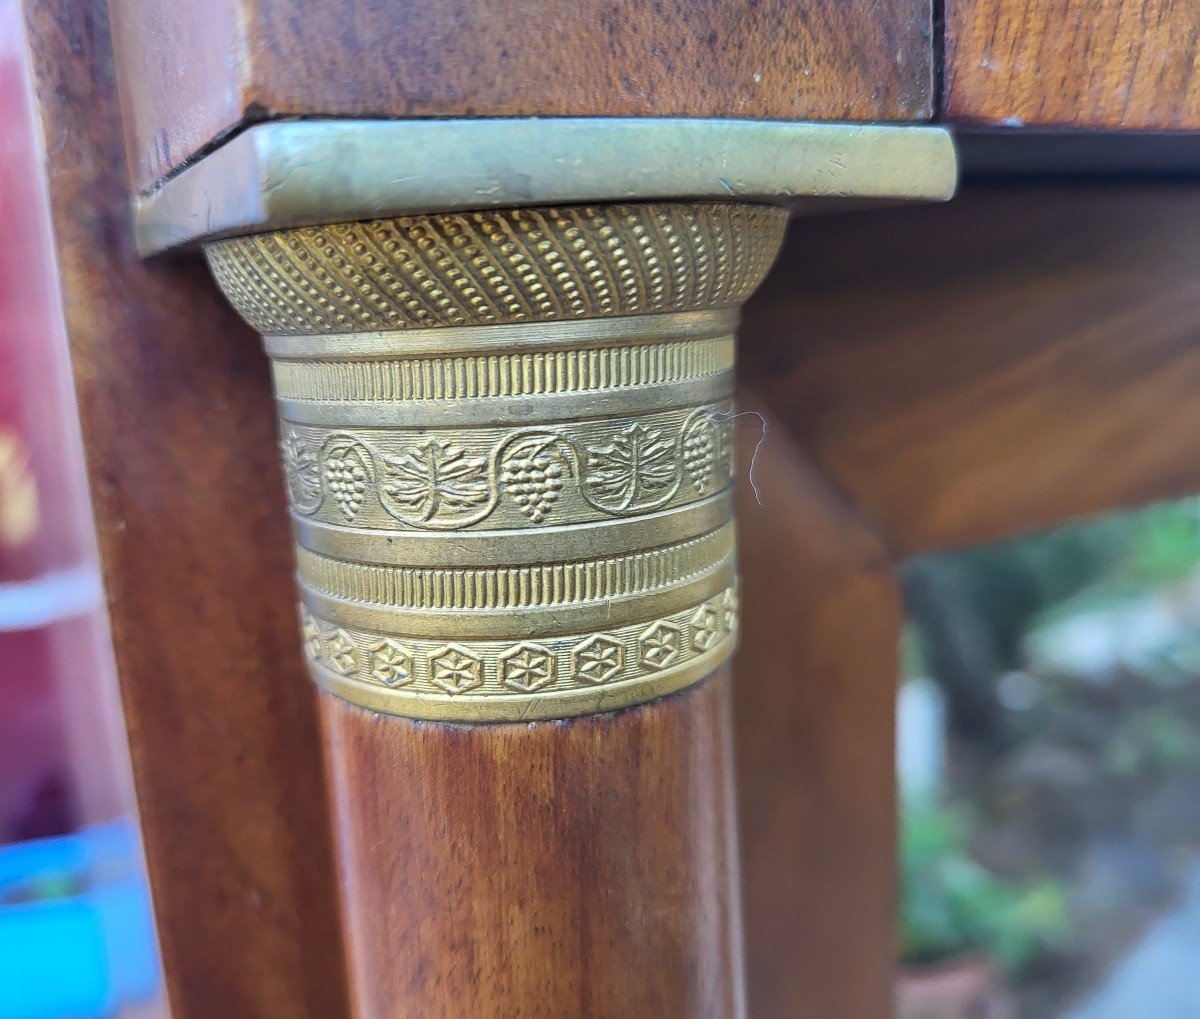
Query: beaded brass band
[507,440]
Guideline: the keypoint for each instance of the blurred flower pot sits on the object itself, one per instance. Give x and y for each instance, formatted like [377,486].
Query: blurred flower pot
[964,987]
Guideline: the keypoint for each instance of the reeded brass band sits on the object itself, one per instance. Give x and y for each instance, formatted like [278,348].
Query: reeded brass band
[507,440]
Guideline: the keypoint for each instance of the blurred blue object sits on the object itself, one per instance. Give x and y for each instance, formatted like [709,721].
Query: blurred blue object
[76,927]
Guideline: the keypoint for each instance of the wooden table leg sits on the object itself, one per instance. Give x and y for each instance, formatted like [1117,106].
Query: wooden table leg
[815,703]
[577,868]
[507,437]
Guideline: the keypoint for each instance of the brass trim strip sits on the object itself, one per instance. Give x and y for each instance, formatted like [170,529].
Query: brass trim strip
[543,585]
[518,708]
[504,374]
[507,410]
[523,680]
[291,173]
[554,334]
[515,547]
[542,620]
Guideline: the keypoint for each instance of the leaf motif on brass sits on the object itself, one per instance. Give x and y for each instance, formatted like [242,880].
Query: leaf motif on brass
[708,626]
[432,480]
[598,659]
[310,635]
[456,669]
[638,470]
[661,645]
[342,653]
[391,663]
[303,473]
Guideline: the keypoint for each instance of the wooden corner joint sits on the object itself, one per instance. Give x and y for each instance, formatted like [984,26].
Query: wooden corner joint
[507,439]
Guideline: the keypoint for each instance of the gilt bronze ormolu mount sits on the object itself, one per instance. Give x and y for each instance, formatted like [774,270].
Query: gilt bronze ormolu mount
[506,432]
[507,444]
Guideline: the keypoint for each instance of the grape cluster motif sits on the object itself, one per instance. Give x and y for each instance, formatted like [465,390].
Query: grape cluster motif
[346,477]
[533,477]
[699,456]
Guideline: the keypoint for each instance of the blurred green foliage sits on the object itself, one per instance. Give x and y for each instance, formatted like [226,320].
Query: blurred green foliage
[971,613]
[1011,583]
[972,610]
[951,905]
[1164,541]
[1153,741]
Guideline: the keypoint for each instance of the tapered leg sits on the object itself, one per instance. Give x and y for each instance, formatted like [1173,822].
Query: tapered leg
[578,868]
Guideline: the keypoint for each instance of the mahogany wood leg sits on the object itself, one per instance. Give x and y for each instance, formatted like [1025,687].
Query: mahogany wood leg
[577,868]
[507,438]
[815,700]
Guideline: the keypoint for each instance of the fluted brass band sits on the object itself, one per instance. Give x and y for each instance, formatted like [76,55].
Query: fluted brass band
[554,587]
[507,441]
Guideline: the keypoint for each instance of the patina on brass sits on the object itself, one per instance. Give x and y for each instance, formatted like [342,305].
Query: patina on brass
[289,173]
[507,443]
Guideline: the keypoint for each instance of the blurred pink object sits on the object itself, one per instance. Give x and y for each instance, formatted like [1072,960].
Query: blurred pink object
[61,741]
[964,988]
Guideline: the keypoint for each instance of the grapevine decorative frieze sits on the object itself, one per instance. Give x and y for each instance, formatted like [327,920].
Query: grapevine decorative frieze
[507,439]
[436,483]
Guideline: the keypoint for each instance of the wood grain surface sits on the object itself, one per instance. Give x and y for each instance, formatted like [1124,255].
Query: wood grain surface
[578,868]
[1005,362]
[814,700]
[178,427]
[194,72]
[1098,65]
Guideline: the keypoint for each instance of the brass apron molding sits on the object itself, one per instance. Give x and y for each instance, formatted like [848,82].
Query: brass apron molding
[285,174]
[507,441]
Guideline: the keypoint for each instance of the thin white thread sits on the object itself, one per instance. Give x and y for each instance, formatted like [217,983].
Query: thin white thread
[724,417]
